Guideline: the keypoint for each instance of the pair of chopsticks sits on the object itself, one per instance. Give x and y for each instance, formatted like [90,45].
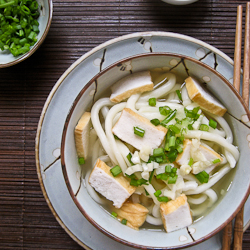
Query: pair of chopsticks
[238,225]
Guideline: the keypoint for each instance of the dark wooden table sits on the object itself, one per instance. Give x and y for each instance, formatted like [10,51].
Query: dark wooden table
[26,221]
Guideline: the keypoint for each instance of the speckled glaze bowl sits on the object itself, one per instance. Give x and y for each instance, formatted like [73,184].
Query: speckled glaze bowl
[237,181]
[45,18]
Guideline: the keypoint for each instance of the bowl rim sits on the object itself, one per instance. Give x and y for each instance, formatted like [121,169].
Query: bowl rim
[63,163]
[37,44]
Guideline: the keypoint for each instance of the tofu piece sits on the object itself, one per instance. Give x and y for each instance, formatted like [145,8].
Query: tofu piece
[202,97]
[183,158]
[203,157]
[176,214]
[134,213]
[117,189]
[132,84]
[82,130]
[124,129]
[210,155]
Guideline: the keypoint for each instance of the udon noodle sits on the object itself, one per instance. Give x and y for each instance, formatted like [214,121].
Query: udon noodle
[191,124]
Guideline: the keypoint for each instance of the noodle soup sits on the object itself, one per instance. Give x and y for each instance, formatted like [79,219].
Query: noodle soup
[178,157]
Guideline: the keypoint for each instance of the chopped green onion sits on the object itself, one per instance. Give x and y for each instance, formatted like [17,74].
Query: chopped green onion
[129,157]
[115,170]
[158,159]
[114,214]
[179,149]
[172,141]
[155,121]
[191,161]
[202,177]
[204,127]
[174,128]
[146,192]
[172,155]
[124,221]
[165,110]
[174,170]
[168,168]
[138,131]
[81,160]
[152,101]
[162,199]
[192,113]
[158,152]
[190,127]
[179,94]
[18,20]
[157,193]
[169,117]
[216,161]
[172,179]
[212,123]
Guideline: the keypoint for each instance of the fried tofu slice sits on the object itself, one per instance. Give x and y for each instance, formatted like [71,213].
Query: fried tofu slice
[134,213]
[202,97]
[132,84]
[124,129]
[117,189]
[176,214]
[202,156]
[82,135]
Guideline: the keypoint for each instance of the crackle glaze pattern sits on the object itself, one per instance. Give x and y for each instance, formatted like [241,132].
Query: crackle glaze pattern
[68,87]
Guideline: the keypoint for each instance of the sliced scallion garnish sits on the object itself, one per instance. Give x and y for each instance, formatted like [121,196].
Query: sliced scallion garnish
[212,123]
[152,102]
[155,121]
[204,127]
[81,160]
[115,170]
[216,161]
[139,131]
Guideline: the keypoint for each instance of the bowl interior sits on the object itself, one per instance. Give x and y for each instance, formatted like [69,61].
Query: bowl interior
[45,18]
[234,186]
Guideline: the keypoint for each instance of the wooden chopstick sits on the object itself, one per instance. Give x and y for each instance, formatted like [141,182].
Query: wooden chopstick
[245,87]
[238,226]
[237,49]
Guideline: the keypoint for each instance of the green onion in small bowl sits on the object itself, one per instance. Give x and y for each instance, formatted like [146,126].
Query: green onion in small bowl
[24,26]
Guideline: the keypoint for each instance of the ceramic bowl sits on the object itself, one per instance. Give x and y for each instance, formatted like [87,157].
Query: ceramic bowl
[235,184]
[45,18]
[179,2]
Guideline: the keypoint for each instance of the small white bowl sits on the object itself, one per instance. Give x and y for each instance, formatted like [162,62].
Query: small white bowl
[179,2]
[45,18]
[236,182]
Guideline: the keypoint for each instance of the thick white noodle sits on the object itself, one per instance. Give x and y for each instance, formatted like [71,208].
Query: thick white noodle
[162,90]
[156,211]
[189,185]
[110,137]
[124,151]
[198,200]
[215,178]
[150,189]
[104,111]
[212,196]
[213,137]
[132,101]
[154,221]
[98,127]
[229,138]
